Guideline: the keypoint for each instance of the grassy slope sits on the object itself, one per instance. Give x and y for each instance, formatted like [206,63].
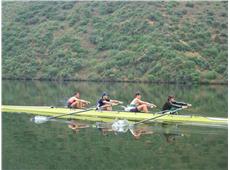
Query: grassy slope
[147,41]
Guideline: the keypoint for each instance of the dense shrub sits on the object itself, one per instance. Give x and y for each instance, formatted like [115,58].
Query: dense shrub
[189,4]
[156,41]
[210,75]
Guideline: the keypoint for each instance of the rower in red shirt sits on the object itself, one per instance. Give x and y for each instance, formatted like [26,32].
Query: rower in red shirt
[76,102]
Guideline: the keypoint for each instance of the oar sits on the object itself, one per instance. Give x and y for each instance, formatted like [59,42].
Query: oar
[152,105]
[117,102]
[167,113]
[43,119]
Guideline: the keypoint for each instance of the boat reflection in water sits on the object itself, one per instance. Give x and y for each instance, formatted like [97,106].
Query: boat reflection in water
[169,132]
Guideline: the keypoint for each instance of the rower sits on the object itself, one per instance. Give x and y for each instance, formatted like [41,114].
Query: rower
[105,103]
[172,104]
[137,105]
[76,102]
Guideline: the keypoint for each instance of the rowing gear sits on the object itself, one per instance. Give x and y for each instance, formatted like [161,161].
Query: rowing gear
[39,119]
[169,112]
[108,116]
[43,119]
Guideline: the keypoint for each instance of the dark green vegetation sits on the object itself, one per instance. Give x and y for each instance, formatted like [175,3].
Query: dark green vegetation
[118,41]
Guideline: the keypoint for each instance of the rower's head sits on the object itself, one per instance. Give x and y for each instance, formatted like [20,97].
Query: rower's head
[138,95]
[77,95]
[171,98]
[104,95]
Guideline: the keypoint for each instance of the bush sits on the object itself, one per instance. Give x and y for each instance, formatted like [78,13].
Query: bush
[60,17]
[189,65]
[181,47]
[32,21]
[211,52]
[223,14]
[118,35]
[152,77]
[210,75]
[73,21]
[195,77]
[189,4]
[155,17]
[199,62]
[221,69]
[94,39]
[68,5]
[224,26]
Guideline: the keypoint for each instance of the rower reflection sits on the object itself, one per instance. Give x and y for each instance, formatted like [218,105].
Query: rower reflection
[118,126]
[170,132]
[76,126]
[137,131]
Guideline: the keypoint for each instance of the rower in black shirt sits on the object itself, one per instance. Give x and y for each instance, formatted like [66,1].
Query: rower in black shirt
[105,103]
[172,104]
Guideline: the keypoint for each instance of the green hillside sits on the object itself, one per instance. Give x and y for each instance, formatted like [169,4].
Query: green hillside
[118,41]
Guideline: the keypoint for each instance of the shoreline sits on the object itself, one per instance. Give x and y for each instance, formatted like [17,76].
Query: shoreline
[121,81]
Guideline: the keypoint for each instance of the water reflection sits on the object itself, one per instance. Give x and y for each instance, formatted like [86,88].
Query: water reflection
[77,126]
[23,140]
[168,132]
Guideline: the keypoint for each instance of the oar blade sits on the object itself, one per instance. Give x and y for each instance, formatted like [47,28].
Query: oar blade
[40,119]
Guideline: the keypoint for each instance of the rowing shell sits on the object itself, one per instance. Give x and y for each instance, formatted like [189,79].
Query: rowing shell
[107,116]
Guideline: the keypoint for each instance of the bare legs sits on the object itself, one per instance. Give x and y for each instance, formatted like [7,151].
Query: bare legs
[107,107]
[78,105]
[143,108]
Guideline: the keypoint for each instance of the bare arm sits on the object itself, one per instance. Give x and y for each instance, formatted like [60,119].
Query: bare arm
[116,101]
[84,101]
[147,103]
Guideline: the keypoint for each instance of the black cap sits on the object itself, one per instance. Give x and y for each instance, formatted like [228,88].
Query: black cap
[104,94]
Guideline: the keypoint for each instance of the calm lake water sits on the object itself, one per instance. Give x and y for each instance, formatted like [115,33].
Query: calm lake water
[52,145]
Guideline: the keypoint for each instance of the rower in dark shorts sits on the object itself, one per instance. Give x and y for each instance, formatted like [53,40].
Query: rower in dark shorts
[137,105]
